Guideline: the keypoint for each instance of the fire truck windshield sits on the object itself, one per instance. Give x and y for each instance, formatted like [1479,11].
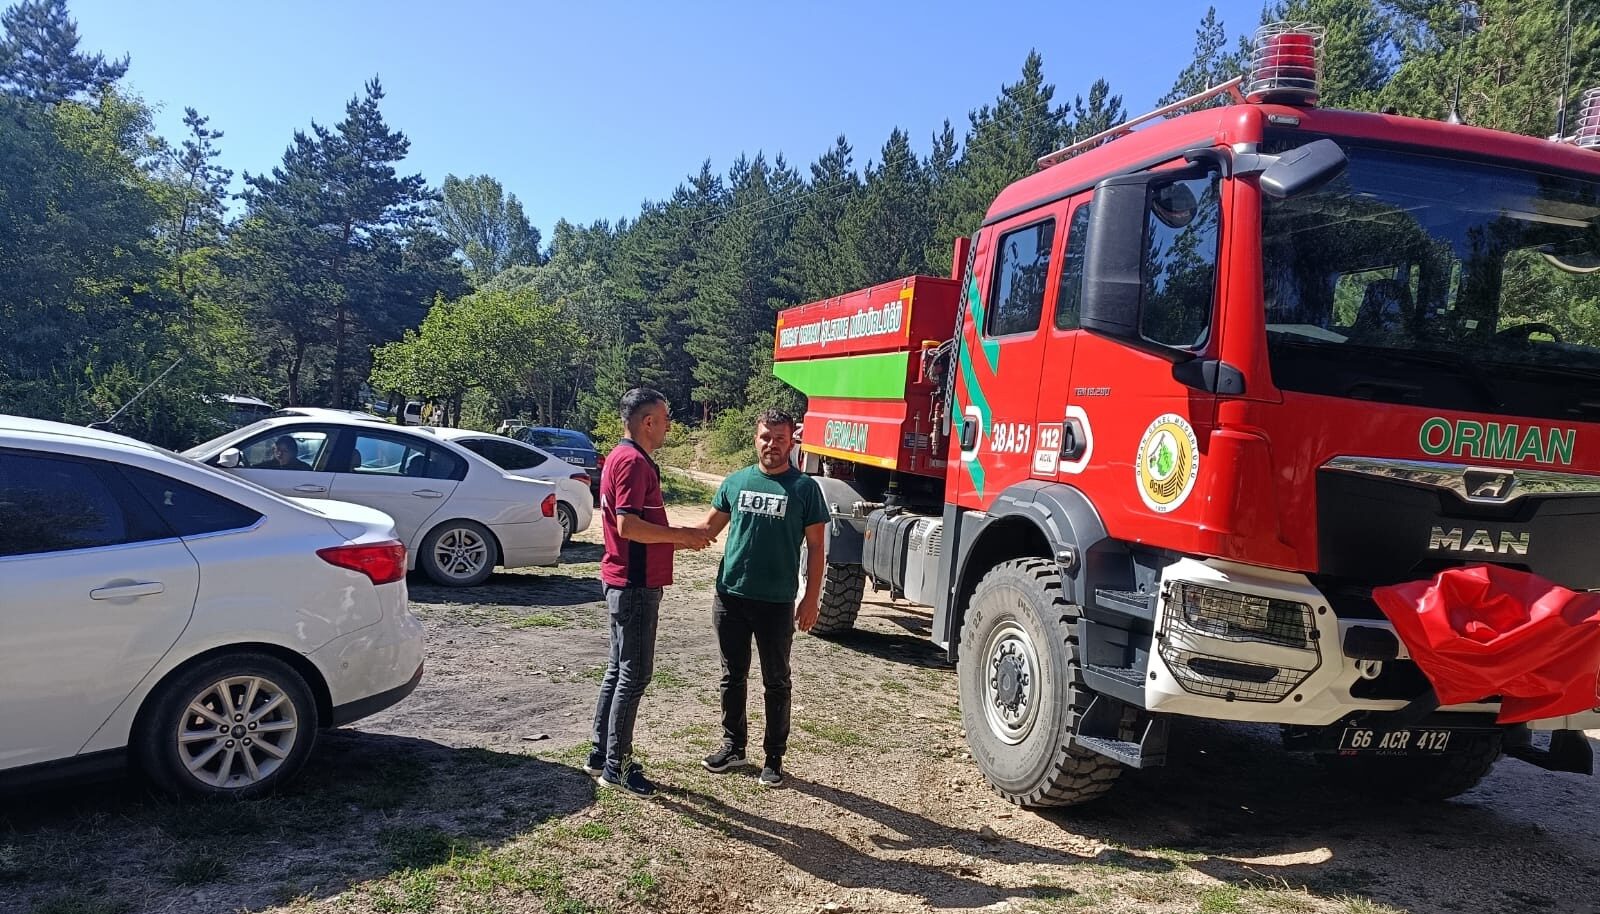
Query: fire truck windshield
[1441,282]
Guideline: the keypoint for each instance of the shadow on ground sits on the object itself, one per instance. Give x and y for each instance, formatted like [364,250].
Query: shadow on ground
[365,806]
[513,588]
[1233,804]
[910,649]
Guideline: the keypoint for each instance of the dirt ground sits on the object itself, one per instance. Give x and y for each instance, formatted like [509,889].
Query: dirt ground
[468,797]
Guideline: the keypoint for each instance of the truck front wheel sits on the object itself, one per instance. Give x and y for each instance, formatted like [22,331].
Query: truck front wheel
[1022,692]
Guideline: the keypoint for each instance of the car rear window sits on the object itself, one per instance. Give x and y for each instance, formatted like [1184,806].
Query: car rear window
[504,454]
[188,510]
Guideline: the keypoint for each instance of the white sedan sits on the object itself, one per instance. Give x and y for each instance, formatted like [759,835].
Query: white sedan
[458,514]
[574,500]
[157,609]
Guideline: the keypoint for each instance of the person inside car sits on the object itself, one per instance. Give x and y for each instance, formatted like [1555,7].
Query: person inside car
[286,455]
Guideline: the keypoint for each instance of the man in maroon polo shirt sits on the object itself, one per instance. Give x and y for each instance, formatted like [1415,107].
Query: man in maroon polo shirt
[637,565]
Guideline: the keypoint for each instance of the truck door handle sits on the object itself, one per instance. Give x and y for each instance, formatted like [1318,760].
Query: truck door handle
[310,488]
[969,433]
[123,591]
[1073,440]
[428,493]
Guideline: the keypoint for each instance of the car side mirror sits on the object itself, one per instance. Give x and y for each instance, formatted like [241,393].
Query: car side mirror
[230,458]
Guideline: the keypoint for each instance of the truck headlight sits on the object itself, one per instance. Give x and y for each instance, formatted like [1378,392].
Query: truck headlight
[1243,617]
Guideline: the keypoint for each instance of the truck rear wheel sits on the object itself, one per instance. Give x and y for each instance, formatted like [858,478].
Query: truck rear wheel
[1420,777]
[1022,692]
[842,589]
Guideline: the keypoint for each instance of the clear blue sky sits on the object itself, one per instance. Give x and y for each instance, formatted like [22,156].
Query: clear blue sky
[585,109]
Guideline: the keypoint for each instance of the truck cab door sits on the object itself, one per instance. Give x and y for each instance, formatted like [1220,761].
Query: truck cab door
[1063,438]
[1001,352]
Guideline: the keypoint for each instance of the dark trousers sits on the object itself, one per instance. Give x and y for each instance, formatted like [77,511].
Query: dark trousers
[634,613]
[737,620]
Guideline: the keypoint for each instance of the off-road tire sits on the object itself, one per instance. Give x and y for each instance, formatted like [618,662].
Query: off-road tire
[1040,769]
[155,745]
[1420,777]
[842,589]
[840,601]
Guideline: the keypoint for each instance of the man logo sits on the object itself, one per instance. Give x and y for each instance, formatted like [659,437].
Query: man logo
[1456,539]
[1488,485]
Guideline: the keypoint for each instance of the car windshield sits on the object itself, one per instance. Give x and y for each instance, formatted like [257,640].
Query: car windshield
[238,434]
[1425,280]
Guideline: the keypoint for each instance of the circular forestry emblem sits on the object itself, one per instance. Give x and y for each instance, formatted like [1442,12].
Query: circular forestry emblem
[1168,462]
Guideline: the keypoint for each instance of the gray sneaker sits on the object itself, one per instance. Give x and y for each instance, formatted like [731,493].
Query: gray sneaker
[771,773]
[723,759]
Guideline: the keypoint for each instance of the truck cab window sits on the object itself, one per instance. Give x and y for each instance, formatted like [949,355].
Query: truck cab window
[1069,292]
[1181,262]
[1022,267]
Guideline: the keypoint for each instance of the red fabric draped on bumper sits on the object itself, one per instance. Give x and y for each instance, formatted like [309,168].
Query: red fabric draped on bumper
[1489,630]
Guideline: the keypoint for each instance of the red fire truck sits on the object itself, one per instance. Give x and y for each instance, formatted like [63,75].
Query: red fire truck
[1195,389]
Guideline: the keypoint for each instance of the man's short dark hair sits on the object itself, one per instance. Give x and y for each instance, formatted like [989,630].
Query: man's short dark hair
[288,443]
[637,401]
[773,418]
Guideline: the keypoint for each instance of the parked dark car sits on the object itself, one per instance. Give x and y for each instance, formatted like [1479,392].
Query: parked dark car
[573,447]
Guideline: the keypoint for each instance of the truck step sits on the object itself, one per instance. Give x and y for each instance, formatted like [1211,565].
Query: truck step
[1133,603]
[1101,727]
[1124,751]
[1122,683]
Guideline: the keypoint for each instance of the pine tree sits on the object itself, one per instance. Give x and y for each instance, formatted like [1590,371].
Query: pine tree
[888,226]
[817,260]
[1212,64]
[323,225]
[1003,144]
[1508,56]
[39,57]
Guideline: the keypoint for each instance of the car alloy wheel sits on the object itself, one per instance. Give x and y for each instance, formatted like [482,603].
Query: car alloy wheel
[237,732]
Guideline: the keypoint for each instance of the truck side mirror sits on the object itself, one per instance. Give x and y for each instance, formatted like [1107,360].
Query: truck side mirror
[1303,169]
[1114,260]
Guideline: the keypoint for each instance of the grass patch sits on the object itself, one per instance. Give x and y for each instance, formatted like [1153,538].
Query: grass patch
[893,685]
[833,733]
[1221,899]
[417,846]
[540,620]
[412,891]
[668,678]
[594,674]
[642,885]
[595,831]
[678,489]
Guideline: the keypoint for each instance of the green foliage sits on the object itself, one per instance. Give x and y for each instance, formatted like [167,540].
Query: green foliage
[493,341]
[487,226]
[39,58]
[1509,58]
[325,258]
[1216,60]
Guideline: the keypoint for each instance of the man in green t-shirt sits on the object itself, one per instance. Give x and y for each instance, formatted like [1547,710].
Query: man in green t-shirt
[769,509]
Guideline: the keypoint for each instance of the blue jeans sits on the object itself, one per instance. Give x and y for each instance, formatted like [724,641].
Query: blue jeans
[634,613]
